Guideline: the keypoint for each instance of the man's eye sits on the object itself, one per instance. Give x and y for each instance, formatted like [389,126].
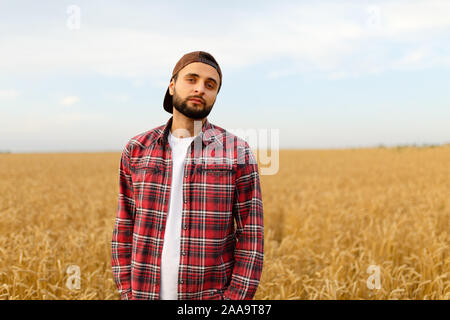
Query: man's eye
[190,79]
[210,85]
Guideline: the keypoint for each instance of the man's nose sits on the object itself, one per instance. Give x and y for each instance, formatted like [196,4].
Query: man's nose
[200,89]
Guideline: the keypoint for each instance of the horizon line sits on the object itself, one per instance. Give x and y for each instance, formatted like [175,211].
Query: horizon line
[377,146]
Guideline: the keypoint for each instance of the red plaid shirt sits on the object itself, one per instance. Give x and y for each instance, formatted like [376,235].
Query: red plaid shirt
[222,234]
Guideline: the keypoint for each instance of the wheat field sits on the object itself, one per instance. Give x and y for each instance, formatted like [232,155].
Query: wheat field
[336,221]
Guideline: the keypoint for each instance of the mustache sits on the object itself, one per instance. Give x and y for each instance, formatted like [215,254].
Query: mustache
[196,97]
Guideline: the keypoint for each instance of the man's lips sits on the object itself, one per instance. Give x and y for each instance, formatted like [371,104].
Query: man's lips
[196,100]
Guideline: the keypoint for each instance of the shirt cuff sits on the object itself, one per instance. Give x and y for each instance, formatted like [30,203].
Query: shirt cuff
[125,295]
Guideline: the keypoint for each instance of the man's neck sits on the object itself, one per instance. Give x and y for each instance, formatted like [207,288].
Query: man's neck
[185,124]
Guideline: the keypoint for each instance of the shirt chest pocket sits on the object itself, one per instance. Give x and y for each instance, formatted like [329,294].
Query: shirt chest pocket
[215,183]
[216,173]
[147,176]
[148,179]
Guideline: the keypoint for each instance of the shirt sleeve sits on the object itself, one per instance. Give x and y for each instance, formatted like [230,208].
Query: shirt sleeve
[121,245]
[248,214]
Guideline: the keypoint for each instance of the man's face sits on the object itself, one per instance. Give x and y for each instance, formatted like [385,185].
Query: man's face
[195,90]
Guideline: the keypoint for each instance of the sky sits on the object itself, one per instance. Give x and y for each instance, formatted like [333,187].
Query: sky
[90,75]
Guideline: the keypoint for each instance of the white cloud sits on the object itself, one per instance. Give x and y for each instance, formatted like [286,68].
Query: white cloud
[9,94]
[70,100]
[418,57]
[405,17]
[341,39]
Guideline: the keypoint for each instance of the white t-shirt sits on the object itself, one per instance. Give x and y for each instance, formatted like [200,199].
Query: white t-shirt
[170,259]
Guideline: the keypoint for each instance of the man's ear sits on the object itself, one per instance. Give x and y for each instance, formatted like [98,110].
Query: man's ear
[171,86]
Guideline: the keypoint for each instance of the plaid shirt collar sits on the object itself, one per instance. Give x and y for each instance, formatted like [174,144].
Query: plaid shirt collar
[208,134]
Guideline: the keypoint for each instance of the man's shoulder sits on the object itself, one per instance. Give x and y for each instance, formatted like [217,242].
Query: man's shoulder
[231,139]
[239,147]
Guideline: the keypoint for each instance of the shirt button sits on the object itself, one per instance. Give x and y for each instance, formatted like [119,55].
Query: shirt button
[184,226]
[185,174]
[185,200]
[160,227]
[181,281]
[183,253]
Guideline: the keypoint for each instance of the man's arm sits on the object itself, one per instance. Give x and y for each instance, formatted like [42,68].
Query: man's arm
[121,244]
[248,214]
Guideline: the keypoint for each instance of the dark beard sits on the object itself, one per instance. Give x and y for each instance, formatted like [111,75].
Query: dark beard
[190,112]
